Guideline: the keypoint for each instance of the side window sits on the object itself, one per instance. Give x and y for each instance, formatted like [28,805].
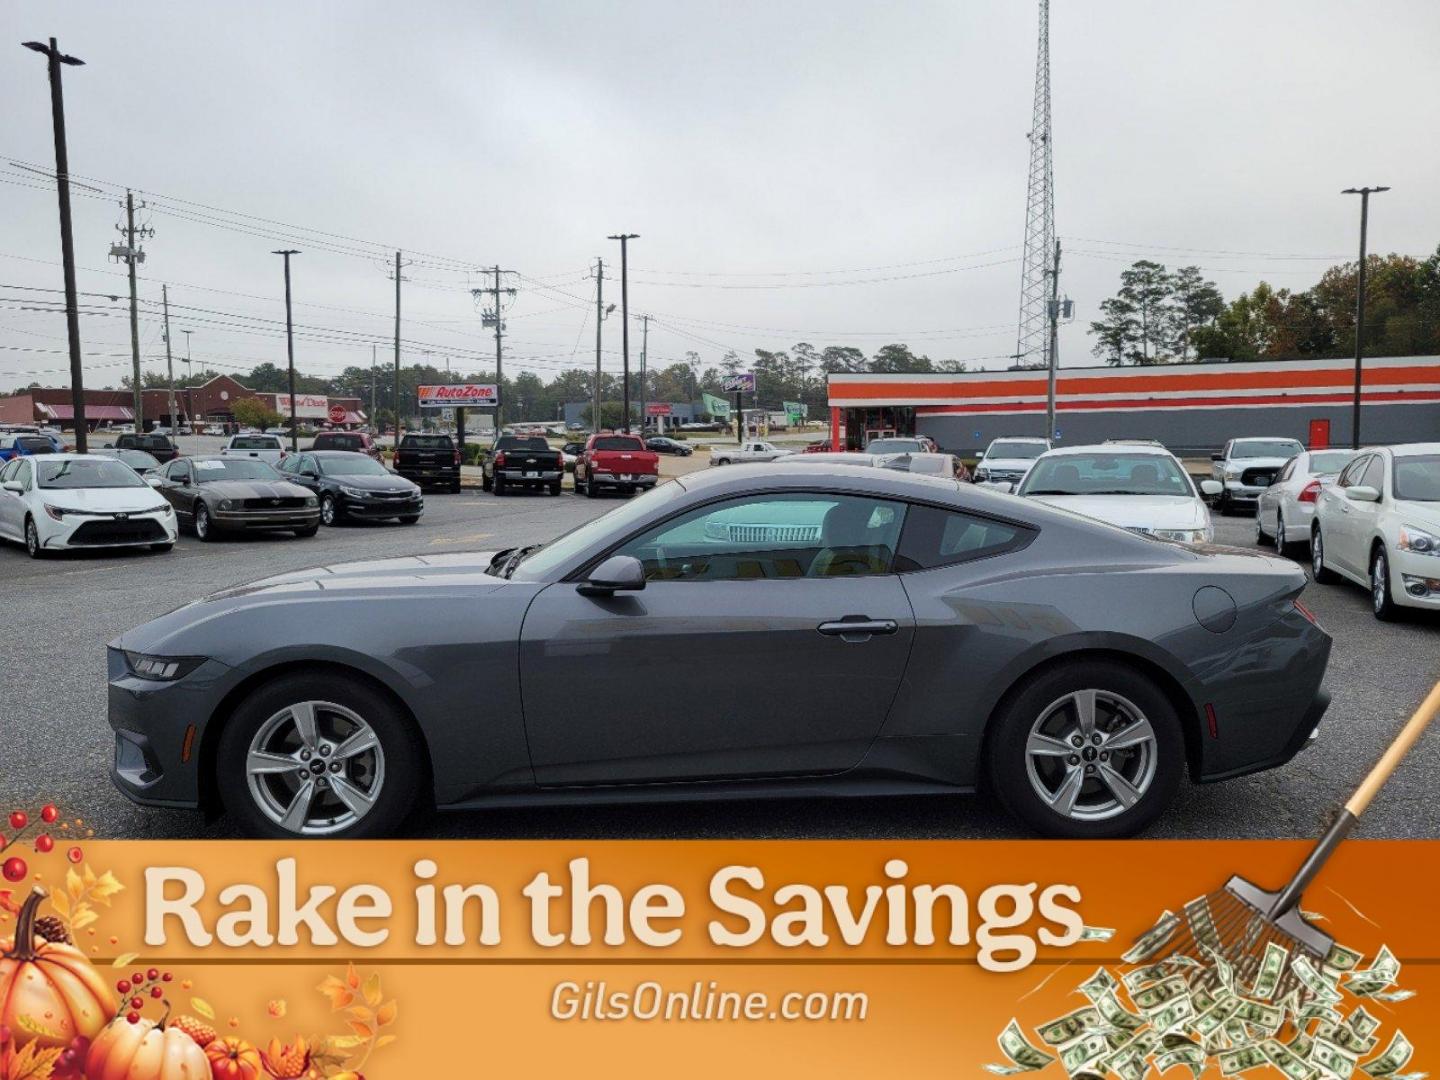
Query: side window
[1347,477]
[1287,471]
[309,463]
[22,473]
[935,537]
[8,472]
[176,472]
[1375,473]
[769,537]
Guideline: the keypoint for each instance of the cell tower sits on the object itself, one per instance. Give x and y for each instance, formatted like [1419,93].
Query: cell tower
[1031,348]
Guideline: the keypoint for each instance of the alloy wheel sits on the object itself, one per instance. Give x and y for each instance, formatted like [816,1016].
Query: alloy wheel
[1279,535]
[327,510]
[1379,582]
[202,522]
[315,768]
[32,539]
[1317,555]
[1091,755]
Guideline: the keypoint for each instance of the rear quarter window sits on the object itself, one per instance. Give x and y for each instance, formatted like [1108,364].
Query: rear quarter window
[934,537]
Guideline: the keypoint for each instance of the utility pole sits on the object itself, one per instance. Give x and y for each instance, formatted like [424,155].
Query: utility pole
[190,378]
[132,255]
[67,238]
[398,279]
[599,322]
[625,239]
[1053,352]
[169,363]
[290,347]
[1364,193]
[372,390]
[644,348]
[494,317]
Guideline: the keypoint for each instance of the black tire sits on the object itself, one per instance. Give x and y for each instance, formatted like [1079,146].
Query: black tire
[1282,546]
[1318,570]
[579,487]
[498,486]
[555,487]
[399,741]
[1010,728]
[311,531]
[455,488]
[160,549]
[592,490]
[1382,599]
[204,527]
[32,540]
[723,461]
[329,510]
[410,519]
[485,482]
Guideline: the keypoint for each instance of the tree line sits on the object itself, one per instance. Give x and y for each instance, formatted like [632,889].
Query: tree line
[1161,317]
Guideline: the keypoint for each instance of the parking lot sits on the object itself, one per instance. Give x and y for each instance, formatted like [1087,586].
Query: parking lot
[61,612]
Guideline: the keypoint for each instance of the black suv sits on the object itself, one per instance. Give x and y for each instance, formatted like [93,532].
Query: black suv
[157,446]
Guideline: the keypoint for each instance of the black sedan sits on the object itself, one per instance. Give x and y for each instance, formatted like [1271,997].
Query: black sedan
[143,463]
[663,445]
[213,495]
[925,637]
[352,485]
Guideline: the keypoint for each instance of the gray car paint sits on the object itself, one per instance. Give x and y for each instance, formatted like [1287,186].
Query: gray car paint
[522,686]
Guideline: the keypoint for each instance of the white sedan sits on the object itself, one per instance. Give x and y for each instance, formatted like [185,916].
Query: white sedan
[1140,488]
[1378,525]
[1287,507]
[57,502]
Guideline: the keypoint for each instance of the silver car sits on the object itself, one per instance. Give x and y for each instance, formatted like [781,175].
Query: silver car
[1286,508]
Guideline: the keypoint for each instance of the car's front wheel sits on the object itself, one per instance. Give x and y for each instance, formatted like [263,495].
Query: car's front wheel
[310,755]
[1087,750]
[1381,602]
[329,512]
[33,547]
[204,527]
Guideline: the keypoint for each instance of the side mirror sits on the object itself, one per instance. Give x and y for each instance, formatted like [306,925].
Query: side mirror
[616,574]
[1217,457]
[154,481]
[15,486]
[1363,493]
[109,446]
[1211,488]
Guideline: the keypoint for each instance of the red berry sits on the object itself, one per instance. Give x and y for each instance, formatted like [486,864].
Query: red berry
[44,843]
[156,991]
[166,977]
[15,869]
[137,1003]
[19,819]
[123,986]
[49,813]
[152,974]
[75,854]
[138,978]
[133,1017]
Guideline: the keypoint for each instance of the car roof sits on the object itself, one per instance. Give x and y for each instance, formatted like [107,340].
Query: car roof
[335,453]
[1408,449]
[784,474]
[1020,438]
[1109,448]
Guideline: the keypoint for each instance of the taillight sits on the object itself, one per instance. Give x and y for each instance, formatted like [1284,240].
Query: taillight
[500,460]
[457,457]
[1310,615]
[1311,493]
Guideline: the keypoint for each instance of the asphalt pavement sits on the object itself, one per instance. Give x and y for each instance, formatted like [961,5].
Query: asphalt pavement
[59,613]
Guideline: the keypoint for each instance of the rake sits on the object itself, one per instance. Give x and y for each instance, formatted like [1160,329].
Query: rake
[1240,920]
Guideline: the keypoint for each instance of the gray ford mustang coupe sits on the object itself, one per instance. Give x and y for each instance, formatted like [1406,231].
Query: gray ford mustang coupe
[840,631]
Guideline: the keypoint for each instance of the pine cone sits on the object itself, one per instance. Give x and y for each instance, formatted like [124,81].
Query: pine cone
[52,929]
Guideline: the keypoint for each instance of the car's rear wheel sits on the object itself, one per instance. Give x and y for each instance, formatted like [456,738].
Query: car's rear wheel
[313,756]
[1282,546]
[1381,602]
[498,485]
[1087,750]
[592,490]
[555,487]
[484,482]
[1318,570]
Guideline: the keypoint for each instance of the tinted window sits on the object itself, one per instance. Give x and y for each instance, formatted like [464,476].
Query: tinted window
[621,442]
[1417,477]
[88,473]
[935,537]
[769,537]
[1329,462]
[1106,474]
[178,471]
[895,446]
[429,442]
[1261,448]
[340,442]
[352,465]
[1375,473]
[209,470]
[1286,472]
[512,442]
[254,442]
[35,444]
[541,562]
[1348,478]
[8,472]
[152,442]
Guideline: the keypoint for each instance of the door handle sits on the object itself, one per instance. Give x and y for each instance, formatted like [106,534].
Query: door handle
[857,629]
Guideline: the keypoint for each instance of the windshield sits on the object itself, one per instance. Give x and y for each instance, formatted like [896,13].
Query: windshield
[1106,474]
[1329,462]
[427,442]
[35,444]
[356,465]
[516,442]
[339,442]
[255,442]
[1417,478]
[541,563]
[209,470]
[895,446]
[1256,448]
[1007,448]
[87,473]
[618,442]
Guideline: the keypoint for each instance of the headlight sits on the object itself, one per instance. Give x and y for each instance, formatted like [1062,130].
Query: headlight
[1411,539]
[162,668]
[1184,536]
[58,512]
[1232,472]
[163,508]
[354,493]
[982,474]
[224,504]
[311,500]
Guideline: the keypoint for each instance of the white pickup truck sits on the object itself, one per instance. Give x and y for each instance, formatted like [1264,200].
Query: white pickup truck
[267,448]
[755,450]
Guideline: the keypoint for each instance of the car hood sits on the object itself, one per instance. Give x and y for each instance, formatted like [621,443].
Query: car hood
[1006,464]
[103,500]
[1423,515]
[408,571]
[1135,511]
[373,483]
[253,489]
[1256,462]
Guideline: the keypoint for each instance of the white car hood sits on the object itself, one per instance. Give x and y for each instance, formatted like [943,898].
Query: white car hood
[1135,511]
[1006,464]
[1256,463]
[103,500]
[1423,515]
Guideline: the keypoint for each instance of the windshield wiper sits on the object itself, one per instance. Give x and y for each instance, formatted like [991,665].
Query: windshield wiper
[1048,491]
[517,556]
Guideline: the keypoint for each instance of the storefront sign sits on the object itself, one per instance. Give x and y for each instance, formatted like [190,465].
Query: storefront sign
[658,408]
[450,395]
[315,405]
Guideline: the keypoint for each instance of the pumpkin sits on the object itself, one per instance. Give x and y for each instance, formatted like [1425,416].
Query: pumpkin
[51,985]
[233,1059]
[145,1050]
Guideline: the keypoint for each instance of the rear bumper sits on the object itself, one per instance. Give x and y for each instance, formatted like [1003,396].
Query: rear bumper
[624,479]
[521,476]
[449,475]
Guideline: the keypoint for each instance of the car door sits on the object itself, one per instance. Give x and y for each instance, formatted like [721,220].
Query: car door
[178,487]
[770,639]
[12,503]
[1364,516]
[1341,524]
[303,470]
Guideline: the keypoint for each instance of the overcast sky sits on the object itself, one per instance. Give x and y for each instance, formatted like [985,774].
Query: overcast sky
[771,155]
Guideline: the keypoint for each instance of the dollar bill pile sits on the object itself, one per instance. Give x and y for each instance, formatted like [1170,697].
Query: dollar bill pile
[1197,1012]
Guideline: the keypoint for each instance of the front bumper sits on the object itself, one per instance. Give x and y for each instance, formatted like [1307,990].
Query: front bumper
[1409,570]
[1235,490]
[267,519]
[83,531]
[381,508]
[152,723]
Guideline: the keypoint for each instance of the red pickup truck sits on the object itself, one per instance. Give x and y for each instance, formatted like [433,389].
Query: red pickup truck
[618,461]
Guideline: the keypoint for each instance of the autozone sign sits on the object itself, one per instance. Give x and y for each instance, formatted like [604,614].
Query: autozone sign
[453,395]
[658,408]
[305,404]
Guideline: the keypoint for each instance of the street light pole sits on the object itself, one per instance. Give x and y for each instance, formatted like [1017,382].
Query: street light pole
[290,349]
[190,390]
[67,238]
[625,239]
[1364,193]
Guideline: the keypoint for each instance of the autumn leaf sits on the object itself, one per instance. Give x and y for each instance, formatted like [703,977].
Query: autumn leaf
[73,884]
[372,989]
[386,1013]
[339,994]
[352,977]
[344,1042]
[88,876]
[60,902]
[203,1007]
[33,1063]
[124,959]
[384,1040]
[365,1031]
[360,1012]
[84,915]
[105,887]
